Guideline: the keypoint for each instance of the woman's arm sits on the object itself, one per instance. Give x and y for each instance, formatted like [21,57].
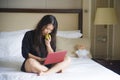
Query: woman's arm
[49,49]
[35,57]
[48,45]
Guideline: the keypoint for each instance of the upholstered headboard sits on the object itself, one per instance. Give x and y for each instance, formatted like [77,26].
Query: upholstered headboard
[15,19]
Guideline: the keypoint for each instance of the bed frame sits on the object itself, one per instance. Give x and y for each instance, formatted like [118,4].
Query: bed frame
[20,10]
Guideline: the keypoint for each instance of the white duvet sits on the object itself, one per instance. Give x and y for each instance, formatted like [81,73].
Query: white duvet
[79,69]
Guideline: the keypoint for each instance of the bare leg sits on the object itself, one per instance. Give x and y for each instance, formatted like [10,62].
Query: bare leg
[58,67]
[34,66]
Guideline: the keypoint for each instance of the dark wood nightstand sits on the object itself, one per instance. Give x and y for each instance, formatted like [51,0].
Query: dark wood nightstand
[114,65]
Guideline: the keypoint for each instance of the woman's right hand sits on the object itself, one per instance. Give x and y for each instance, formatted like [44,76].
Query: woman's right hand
[36,57]
[41,59]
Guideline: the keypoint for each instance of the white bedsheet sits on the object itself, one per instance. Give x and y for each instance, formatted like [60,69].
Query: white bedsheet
[80,69]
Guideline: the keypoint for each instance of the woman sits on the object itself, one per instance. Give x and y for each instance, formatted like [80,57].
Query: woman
[35,48]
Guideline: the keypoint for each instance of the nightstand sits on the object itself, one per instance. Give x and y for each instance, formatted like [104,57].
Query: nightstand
[113,65]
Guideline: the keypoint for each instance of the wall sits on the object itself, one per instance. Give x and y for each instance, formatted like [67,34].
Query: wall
[86,18]
[74,4]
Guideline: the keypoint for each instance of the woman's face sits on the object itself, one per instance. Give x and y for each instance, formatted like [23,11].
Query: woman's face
[48,29]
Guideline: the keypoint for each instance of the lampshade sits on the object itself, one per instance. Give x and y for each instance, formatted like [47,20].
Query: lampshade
[105,16]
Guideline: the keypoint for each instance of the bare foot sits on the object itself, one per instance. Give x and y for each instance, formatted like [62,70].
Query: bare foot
[42,74]
[47,72]
[60,71]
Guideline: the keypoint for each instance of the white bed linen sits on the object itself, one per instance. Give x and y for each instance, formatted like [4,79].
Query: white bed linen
[79,69]
[69,34]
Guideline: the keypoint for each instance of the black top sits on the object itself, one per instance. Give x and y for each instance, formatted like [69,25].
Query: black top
[28,47]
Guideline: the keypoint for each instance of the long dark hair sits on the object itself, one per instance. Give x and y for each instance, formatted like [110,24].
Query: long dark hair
[42,24]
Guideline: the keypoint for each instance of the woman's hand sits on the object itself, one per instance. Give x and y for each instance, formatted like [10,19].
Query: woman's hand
[41,59]
[48,45]
[36,57]
[47,41]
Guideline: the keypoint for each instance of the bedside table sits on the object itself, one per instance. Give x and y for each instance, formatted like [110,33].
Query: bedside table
[113,65]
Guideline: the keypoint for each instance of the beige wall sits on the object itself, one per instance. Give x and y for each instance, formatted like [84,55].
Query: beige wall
[74,4]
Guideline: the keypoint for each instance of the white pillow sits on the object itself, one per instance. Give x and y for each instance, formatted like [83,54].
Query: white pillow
[10,43]
[12,33]
[69,34]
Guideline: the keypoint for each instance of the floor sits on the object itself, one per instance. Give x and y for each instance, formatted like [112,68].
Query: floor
[113,65]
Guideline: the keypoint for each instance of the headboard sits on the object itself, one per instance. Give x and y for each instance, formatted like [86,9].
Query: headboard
[46,11]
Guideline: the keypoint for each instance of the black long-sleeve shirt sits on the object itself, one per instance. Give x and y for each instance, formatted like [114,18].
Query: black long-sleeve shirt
[28,47]
[27,44]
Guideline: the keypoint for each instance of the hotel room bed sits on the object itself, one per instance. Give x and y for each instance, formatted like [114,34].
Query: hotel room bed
[79,69]
[11,58]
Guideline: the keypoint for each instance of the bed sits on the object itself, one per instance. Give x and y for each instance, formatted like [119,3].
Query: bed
[79,69]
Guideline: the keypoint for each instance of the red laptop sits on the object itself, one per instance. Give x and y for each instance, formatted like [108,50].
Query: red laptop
[55,57]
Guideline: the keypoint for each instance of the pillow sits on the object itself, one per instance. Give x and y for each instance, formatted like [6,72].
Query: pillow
[69,34]
[12,33]
[69,43]
[10,43]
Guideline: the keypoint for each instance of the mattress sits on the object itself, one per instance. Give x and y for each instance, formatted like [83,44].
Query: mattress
[79,69]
